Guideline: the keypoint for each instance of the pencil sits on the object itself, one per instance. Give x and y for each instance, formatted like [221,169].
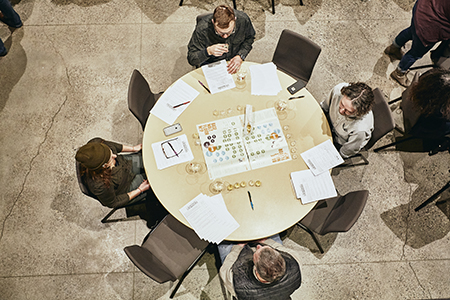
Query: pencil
[204,86]
[250,198]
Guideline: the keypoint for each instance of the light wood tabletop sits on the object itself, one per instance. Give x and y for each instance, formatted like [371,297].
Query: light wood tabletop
[276,207]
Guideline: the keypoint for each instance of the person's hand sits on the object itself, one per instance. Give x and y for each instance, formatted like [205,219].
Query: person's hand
[242,244]
[137,148]
[217,49]
[234,64]
[261,241]
[144,186]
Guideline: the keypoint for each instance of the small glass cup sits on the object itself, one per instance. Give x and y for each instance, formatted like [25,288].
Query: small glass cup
[281,105]
[251,183]
[216,187]
[194,168]
[257,183]
[241,74]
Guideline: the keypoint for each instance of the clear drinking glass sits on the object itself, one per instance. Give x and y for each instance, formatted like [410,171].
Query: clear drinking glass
[217,186]
[241,74]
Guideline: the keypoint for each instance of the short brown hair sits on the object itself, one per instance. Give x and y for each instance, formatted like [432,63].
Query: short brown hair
[270,265]
[223,15]
[361,96]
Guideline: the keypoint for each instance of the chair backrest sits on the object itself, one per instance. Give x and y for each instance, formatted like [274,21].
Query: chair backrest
[167,251]
[81,181]
[201,16]
[336,214]
[140,98]
[382,118]
[296,55]
[410,113]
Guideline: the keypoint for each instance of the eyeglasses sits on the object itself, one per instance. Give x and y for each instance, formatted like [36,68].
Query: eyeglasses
[222,34]
[171,148]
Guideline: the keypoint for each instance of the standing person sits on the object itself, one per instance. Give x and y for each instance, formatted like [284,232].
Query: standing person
[116,180]
[225,34]
[430,24]
[349,111]
[8,16]
[262,270]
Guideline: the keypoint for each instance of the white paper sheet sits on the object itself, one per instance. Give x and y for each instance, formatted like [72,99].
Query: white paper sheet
[322,157]
[172,152]
[311,188]
[265,79]
[179,92]
[217,76]
[209,218]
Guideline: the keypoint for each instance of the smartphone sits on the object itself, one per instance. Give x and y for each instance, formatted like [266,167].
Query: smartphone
[295,87]
[169,130]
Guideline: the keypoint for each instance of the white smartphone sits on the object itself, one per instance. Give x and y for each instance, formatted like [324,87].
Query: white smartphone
[169,130]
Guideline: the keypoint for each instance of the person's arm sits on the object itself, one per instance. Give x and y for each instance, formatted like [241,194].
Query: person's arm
[136,148]
[197,47]
[226,272]
[325,104]
[250,33]
[356,141]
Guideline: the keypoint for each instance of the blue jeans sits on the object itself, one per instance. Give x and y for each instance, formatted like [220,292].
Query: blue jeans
[225,247]
[2,46]
[138,169]
[417,51]
[10,16]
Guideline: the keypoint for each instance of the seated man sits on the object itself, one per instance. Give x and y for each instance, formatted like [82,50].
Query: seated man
[265,271]
[225,34]
[349,111]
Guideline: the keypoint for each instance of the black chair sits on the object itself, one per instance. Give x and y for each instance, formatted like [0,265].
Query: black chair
[383,123]
[273,5]
[85,190]
[140,98]
[336,214]
[296,55]
[169,252]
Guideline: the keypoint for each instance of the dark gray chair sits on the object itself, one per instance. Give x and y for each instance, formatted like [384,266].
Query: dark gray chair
[168,252]
[296,55]
[383,123]
[273,5]
[140,98]
[336,214]
[85,190]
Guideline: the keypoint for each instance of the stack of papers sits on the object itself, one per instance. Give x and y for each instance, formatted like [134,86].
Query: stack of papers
[179,93]
[209,218]
[217,77]
[265,79]
[316,183]
[172,152]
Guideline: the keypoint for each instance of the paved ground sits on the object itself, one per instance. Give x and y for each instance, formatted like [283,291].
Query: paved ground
[65,81]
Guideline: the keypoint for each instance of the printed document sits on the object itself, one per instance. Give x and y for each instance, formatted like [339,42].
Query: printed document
[209,217]
[179,93]
[322,157]
[217,77]
[310,188]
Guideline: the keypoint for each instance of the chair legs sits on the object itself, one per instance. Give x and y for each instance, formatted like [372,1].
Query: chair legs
[180,280]
[312,235]
[432,198]
[106,218]
[394,143]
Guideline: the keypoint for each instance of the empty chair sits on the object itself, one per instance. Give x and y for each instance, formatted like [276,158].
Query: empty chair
[85,190]
[169,252]
[336,214]
[296,55]
[273,5]
[383,123]
[140,98]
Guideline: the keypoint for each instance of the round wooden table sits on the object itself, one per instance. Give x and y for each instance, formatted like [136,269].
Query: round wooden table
[276,207]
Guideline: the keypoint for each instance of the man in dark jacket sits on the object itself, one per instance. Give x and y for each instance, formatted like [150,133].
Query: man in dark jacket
[225,34]
[261,271]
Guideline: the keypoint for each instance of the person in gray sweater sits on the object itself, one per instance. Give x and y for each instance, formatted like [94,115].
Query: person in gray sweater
[349,112]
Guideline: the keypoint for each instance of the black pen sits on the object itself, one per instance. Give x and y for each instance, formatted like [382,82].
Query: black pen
[173,149]
[296,97]
[204,86]
[250,198]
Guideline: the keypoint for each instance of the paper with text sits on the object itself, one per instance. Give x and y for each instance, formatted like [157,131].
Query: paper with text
[217,76]
[180,92]
[172,152]
[311,188]
[322,157]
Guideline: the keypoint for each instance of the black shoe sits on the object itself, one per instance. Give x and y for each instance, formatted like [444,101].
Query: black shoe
[4,53]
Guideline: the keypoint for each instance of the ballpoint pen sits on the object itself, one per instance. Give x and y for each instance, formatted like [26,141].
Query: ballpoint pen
[296,97]
[178,105]
[173,149]
[204,86]
[250,198]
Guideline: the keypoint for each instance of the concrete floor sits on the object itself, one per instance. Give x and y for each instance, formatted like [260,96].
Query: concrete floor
[65,81]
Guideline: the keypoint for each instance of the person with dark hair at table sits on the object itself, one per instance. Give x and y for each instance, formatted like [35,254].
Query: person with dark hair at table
[225,34]
[349,111]
[262,270]
[430,24]
[116,180]
[8,16]
[431,97]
